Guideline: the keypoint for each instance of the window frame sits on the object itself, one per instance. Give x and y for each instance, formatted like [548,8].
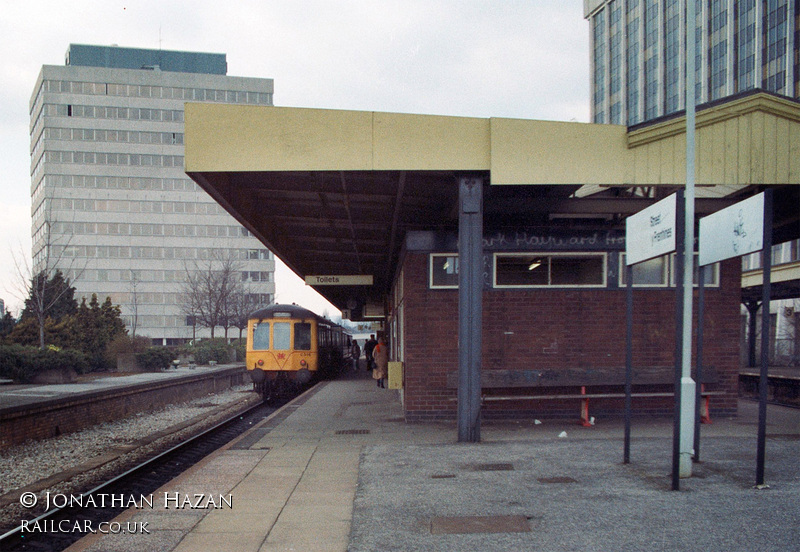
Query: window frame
[602,255]
[431,256]
[666,272]
[715,273]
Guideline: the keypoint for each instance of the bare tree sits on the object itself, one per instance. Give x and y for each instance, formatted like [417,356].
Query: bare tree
[36,288]
[134,303]
[243,303]
[208,292]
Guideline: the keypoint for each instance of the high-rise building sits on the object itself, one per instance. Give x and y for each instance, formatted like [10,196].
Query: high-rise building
[638,53]
[111,205]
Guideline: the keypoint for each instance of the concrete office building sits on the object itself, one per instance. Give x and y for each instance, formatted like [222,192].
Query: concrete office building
[638,48]
[111,205]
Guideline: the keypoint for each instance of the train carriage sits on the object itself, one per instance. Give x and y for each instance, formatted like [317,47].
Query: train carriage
[289,346]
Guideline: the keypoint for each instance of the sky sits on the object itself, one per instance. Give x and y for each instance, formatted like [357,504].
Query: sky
[526,59]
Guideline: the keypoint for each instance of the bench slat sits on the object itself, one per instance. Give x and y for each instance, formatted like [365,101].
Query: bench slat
[493,398]
[570,377]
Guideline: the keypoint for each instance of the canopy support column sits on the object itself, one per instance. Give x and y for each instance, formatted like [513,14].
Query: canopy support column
[470,295]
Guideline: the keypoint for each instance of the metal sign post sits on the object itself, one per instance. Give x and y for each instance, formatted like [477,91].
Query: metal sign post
[738,230]
[698,397]
[763,381]
[626,455]
[680,290]
[650,233]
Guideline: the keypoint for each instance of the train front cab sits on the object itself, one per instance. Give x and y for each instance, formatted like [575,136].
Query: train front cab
[281,352]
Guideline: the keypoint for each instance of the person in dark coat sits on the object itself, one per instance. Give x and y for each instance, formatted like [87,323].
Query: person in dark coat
[355,353]
[368,347]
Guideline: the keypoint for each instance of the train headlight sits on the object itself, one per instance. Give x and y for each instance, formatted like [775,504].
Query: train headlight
[260,362]
[303,363]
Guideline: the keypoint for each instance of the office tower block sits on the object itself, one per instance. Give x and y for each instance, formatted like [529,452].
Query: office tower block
[111,204]
[638,53]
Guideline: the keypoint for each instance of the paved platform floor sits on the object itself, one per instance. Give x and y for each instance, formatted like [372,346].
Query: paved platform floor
[339,470]
[24,395]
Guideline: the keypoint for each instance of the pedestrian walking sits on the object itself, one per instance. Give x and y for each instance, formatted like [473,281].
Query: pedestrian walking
[381,355]
[369,346]
[355,353]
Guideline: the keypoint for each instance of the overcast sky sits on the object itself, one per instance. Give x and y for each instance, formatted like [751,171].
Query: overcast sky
[524,59]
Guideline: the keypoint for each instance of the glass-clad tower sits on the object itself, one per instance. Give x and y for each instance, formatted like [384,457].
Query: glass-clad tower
[111,205]
[637,53]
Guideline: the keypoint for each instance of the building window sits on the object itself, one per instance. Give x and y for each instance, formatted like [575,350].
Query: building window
[711,272]
[443,271]
[660,272]
[651,61]
[549,270]
[650,273]
[634,45]
[672,58]
[599,39]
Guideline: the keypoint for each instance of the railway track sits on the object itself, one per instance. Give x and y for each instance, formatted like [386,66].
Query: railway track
[55,529]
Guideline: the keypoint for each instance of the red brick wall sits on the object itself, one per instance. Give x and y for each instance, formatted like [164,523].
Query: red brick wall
[558,328]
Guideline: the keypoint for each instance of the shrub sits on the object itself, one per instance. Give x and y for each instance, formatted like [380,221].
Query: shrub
[211,349]
[69,358]
[154,359]
[240,346]
[124,344]
[15,363]
[21,363]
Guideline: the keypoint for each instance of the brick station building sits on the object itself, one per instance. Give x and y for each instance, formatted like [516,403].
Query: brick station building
[393,196]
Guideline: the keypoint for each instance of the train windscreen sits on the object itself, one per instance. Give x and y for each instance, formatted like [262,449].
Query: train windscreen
[302,336]
[261,336]
[281,336]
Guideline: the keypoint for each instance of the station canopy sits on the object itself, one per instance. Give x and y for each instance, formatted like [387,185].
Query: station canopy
[334,192]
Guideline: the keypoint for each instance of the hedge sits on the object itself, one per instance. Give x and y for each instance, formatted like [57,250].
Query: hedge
[21,363]
[154,359]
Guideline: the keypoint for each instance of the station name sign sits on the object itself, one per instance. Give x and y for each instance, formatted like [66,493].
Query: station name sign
[340,280]
[734,231]
[651,232]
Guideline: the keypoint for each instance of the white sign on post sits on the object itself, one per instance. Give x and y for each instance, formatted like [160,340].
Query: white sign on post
[733,231]
[651,232]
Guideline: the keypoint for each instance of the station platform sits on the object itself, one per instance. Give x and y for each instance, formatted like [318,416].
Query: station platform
[41,411]
[338,469]
[14,395]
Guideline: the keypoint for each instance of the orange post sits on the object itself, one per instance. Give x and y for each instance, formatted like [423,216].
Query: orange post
[585,410]
[705,413]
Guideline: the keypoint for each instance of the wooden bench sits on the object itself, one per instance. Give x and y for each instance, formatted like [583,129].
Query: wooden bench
[499,382]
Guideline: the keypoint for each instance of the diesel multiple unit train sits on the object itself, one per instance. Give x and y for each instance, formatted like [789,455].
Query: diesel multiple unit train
[289,346]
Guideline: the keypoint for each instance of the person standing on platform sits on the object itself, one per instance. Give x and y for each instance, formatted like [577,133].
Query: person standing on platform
[355,352]
[381,355]
[368,348]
